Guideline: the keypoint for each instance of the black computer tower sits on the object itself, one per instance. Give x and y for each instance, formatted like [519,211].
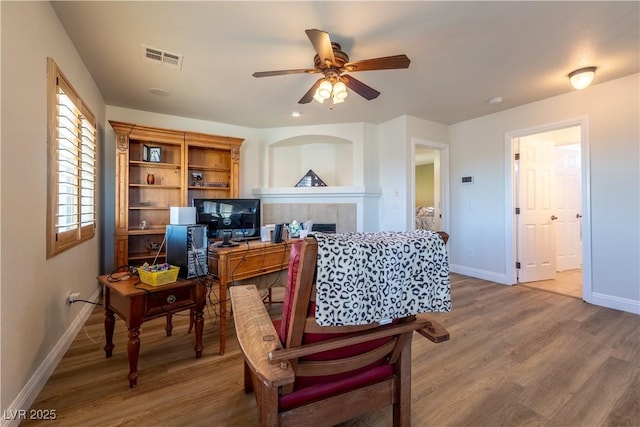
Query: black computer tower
[187,249]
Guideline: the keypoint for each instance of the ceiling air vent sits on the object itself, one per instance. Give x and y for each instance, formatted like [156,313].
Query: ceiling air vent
[162,57]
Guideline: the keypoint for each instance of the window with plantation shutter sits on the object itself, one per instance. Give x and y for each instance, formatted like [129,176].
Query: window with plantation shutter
[71,213]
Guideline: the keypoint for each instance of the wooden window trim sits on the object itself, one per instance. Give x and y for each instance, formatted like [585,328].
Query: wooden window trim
[80,151]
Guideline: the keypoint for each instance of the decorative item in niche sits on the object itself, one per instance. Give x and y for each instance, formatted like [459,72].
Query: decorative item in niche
[310,179]
[151,154]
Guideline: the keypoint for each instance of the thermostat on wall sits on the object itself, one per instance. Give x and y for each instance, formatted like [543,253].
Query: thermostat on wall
[467,180]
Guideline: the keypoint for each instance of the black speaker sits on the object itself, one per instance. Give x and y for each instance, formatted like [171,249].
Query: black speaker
[277,233]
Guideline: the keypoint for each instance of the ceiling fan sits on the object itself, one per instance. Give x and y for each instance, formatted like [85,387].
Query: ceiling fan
[334,65]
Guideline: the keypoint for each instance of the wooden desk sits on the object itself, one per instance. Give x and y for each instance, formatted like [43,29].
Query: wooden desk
[249,259]
[136,303]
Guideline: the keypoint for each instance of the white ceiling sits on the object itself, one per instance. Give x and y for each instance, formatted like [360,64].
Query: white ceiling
[462,54]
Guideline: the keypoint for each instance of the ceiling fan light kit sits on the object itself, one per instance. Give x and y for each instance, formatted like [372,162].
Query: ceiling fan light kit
[334,64]
[581,78]
[323,92]
[337,92]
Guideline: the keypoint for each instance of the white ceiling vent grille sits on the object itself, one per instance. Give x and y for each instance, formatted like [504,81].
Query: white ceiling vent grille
[161,57]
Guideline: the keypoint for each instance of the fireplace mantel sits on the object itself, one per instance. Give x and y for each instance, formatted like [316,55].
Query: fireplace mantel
[309,194]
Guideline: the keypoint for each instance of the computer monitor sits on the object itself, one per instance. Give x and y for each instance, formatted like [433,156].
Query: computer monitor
[240,217]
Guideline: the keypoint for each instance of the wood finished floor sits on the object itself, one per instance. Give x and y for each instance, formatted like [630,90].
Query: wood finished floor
[517,357]
[567,282]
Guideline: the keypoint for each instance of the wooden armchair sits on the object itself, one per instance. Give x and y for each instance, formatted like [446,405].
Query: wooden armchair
[304,374]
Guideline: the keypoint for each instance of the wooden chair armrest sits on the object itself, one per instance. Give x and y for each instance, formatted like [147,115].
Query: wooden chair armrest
[257,336]
[419,323]
[434,331]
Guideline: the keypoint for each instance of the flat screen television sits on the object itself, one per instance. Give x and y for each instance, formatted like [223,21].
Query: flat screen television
[239,217]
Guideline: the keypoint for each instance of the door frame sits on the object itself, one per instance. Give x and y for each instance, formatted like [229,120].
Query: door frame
[510,194]
[444,182]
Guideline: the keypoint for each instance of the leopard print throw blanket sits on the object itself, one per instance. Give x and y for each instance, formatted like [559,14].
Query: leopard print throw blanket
[375,277]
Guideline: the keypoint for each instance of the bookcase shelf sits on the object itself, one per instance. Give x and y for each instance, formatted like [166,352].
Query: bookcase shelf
[146,187]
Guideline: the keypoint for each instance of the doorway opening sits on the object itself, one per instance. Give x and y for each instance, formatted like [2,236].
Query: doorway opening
[429,186]
[548,194]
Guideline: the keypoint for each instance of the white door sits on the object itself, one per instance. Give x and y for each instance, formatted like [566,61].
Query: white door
[569,236]
[536,202]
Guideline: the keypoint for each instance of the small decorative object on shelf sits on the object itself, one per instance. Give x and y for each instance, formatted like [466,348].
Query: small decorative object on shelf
[154,247]
[310,179]
[151,179]
[143,225]
[218,184]
[196,179]
[151,154]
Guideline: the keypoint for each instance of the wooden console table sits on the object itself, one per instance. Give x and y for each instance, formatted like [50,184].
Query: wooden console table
[136,303]
[249,259]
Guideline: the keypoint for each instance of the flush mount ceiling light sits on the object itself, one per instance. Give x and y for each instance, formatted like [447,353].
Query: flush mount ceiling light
[582,77]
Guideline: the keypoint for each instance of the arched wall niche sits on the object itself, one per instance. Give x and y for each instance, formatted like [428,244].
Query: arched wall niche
[330,157]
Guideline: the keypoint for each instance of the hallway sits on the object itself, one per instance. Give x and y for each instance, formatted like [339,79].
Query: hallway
[568,282]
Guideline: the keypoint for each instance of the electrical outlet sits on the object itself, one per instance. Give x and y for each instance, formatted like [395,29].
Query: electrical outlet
[72,297]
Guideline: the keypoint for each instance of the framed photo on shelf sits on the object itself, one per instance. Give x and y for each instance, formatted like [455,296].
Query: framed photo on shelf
[151,154]
[196,179]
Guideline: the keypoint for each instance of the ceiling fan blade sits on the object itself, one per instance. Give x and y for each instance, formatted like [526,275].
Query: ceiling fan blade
[384,63]
[309,95]
[284,72]
[360,88]
[322,44]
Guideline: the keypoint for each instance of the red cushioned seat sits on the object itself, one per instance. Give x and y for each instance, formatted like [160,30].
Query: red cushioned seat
[315,387]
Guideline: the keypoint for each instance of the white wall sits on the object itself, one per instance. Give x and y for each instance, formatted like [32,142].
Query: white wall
[478,210]
[395,147]
[36,321]
[393,174]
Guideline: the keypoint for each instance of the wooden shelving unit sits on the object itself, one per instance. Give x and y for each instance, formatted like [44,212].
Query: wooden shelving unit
[191,165]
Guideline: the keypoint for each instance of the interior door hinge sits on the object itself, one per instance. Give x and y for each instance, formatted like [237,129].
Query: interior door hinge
[517,264]
[517,156]
[517,211]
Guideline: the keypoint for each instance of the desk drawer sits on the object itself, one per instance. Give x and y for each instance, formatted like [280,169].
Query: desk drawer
[161,302]
[255,264]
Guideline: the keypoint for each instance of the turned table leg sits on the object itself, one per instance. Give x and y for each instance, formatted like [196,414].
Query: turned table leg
[222,291]
[169,326]
[199,323]
[133,347]
[109,326]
